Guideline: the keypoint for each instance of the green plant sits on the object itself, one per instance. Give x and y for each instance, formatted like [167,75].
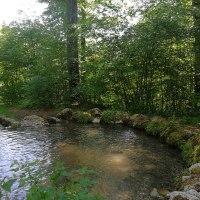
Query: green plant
[154,127]
[170,127]
[4,111]
[187,150]
[178,179]
[108,116]
[82,117]
[51,183]
[196,153]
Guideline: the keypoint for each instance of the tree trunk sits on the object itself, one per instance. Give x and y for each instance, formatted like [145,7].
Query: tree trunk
[83,29]
[72,49]
[196,6]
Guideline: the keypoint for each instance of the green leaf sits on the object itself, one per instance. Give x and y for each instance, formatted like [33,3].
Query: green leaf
[65,173]
[15,170]
[22,183]
[7,185]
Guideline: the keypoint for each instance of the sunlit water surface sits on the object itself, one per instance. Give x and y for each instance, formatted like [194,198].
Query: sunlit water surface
[129,163]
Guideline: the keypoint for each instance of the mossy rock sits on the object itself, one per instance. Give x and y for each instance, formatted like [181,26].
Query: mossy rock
[5,121]
[121,116]
[34,120]
[139,121]
[95,112]
[170,127]
[196,153]
[82,117]
[195,169]
[196,139]
[65,114]
[174,138]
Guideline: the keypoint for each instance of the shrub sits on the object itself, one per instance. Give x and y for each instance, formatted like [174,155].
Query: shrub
[170,127]
[59,183]
[187,150]
[154,128]
[108,116]
[196,154]
[174,137]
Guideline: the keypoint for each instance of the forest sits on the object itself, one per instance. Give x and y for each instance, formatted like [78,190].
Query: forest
[100,99]
[142,56]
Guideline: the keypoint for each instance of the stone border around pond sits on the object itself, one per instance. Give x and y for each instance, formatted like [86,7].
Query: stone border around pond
[185,138]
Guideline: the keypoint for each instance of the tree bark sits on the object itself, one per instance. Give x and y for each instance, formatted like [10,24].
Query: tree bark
[72,49]
[196,15]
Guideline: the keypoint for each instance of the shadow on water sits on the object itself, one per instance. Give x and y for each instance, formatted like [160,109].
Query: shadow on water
[129,163]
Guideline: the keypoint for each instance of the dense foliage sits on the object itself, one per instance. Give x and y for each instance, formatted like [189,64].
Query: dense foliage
[49,183]
[147,67]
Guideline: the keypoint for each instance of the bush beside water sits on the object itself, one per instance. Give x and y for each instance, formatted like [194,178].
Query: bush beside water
[58,183]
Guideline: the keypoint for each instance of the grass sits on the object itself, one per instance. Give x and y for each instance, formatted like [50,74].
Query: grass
[5,111]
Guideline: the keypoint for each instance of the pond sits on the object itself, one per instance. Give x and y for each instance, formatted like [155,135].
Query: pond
[129,164]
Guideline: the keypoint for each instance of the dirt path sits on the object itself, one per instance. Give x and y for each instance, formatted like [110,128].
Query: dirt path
[21,113]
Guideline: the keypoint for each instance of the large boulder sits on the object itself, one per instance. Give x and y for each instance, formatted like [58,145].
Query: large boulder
[121,117]
[5,121]
[65,114]
[138,121]
[34,120]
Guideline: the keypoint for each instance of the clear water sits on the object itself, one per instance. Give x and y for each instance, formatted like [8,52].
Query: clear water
[129,163]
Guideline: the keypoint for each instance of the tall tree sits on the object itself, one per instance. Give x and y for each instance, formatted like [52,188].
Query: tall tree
[72,48]
[196,6]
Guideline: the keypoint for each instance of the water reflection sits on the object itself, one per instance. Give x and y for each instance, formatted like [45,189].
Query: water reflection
[129,164]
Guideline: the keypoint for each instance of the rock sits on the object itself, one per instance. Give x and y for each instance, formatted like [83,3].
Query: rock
[189,187]
[185,178]
[190,182]
[121,117]
[139,121]
[163,192]
[34,120]
[5,121]
[75,105]
[174,137]
[82,117]
[96,120]
[118,122]
[65,114]
[52,120]
[95,112]
[195,169]
[196,153]
[154,193]
[189,195]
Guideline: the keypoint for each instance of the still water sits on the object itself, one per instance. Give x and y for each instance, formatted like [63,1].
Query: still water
[129,163]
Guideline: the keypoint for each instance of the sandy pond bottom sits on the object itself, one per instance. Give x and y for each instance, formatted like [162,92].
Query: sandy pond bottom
[129,163]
